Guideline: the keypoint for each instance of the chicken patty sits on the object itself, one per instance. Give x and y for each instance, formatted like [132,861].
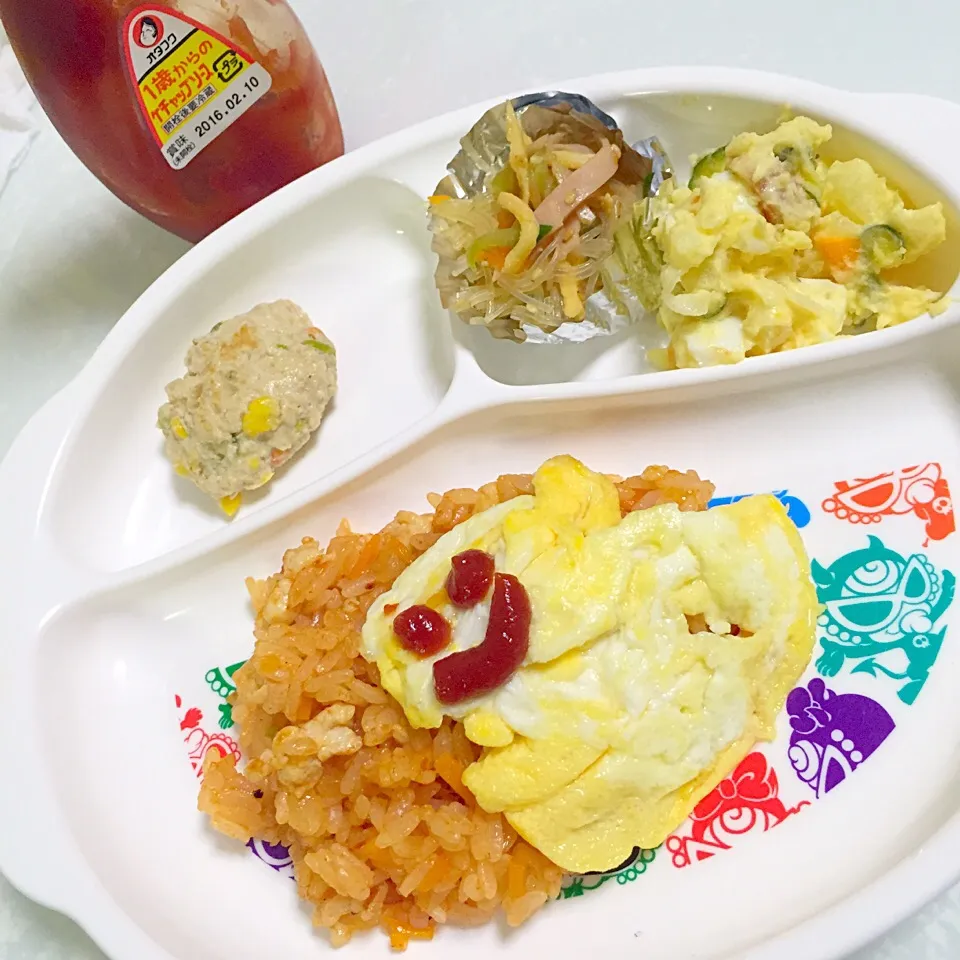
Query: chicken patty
[257,386]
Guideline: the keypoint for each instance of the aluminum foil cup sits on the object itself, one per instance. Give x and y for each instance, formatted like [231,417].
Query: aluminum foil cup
[484,152]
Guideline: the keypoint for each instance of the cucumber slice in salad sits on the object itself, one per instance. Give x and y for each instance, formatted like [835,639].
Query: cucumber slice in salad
[882,246]
[708,165]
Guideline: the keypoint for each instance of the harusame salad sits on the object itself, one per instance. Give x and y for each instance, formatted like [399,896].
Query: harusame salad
[535,243]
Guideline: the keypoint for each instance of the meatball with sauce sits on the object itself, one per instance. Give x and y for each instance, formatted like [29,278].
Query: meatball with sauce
[256,388]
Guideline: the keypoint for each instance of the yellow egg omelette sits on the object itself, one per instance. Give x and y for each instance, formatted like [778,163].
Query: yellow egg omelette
[662,646]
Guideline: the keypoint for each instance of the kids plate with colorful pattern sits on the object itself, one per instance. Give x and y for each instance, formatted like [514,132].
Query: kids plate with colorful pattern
[128,617]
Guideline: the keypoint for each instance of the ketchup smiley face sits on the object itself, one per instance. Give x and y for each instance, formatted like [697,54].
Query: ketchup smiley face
[491,663]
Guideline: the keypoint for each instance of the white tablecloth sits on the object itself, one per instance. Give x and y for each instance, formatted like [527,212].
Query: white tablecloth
[73,258]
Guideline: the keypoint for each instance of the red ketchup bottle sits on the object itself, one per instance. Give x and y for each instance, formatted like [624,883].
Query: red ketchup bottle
[188,110]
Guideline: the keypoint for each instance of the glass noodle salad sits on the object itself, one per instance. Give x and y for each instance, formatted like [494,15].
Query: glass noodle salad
[534,241]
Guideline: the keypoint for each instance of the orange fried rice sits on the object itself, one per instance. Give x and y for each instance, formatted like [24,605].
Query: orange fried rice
[380,827]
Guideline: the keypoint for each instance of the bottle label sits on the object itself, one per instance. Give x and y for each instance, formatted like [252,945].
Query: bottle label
[191,82]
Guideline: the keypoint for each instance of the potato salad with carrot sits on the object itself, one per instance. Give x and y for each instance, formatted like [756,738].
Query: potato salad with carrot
[769,247]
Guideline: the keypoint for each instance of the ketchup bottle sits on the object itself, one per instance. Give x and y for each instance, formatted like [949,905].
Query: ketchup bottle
[188,110]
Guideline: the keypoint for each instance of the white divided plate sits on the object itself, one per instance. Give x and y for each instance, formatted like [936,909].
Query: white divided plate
[126,607]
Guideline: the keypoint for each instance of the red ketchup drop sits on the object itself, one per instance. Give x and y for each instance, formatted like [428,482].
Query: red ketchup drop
[421,630]
[490,664]
[471,574]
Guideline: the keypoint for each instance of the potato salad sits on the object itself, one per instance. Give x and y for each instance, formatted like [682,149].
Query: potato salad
[769,247]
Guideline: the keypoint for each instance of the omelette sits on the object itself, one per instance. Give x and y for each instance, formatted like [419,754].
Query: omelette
[657,649]
[769,247]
